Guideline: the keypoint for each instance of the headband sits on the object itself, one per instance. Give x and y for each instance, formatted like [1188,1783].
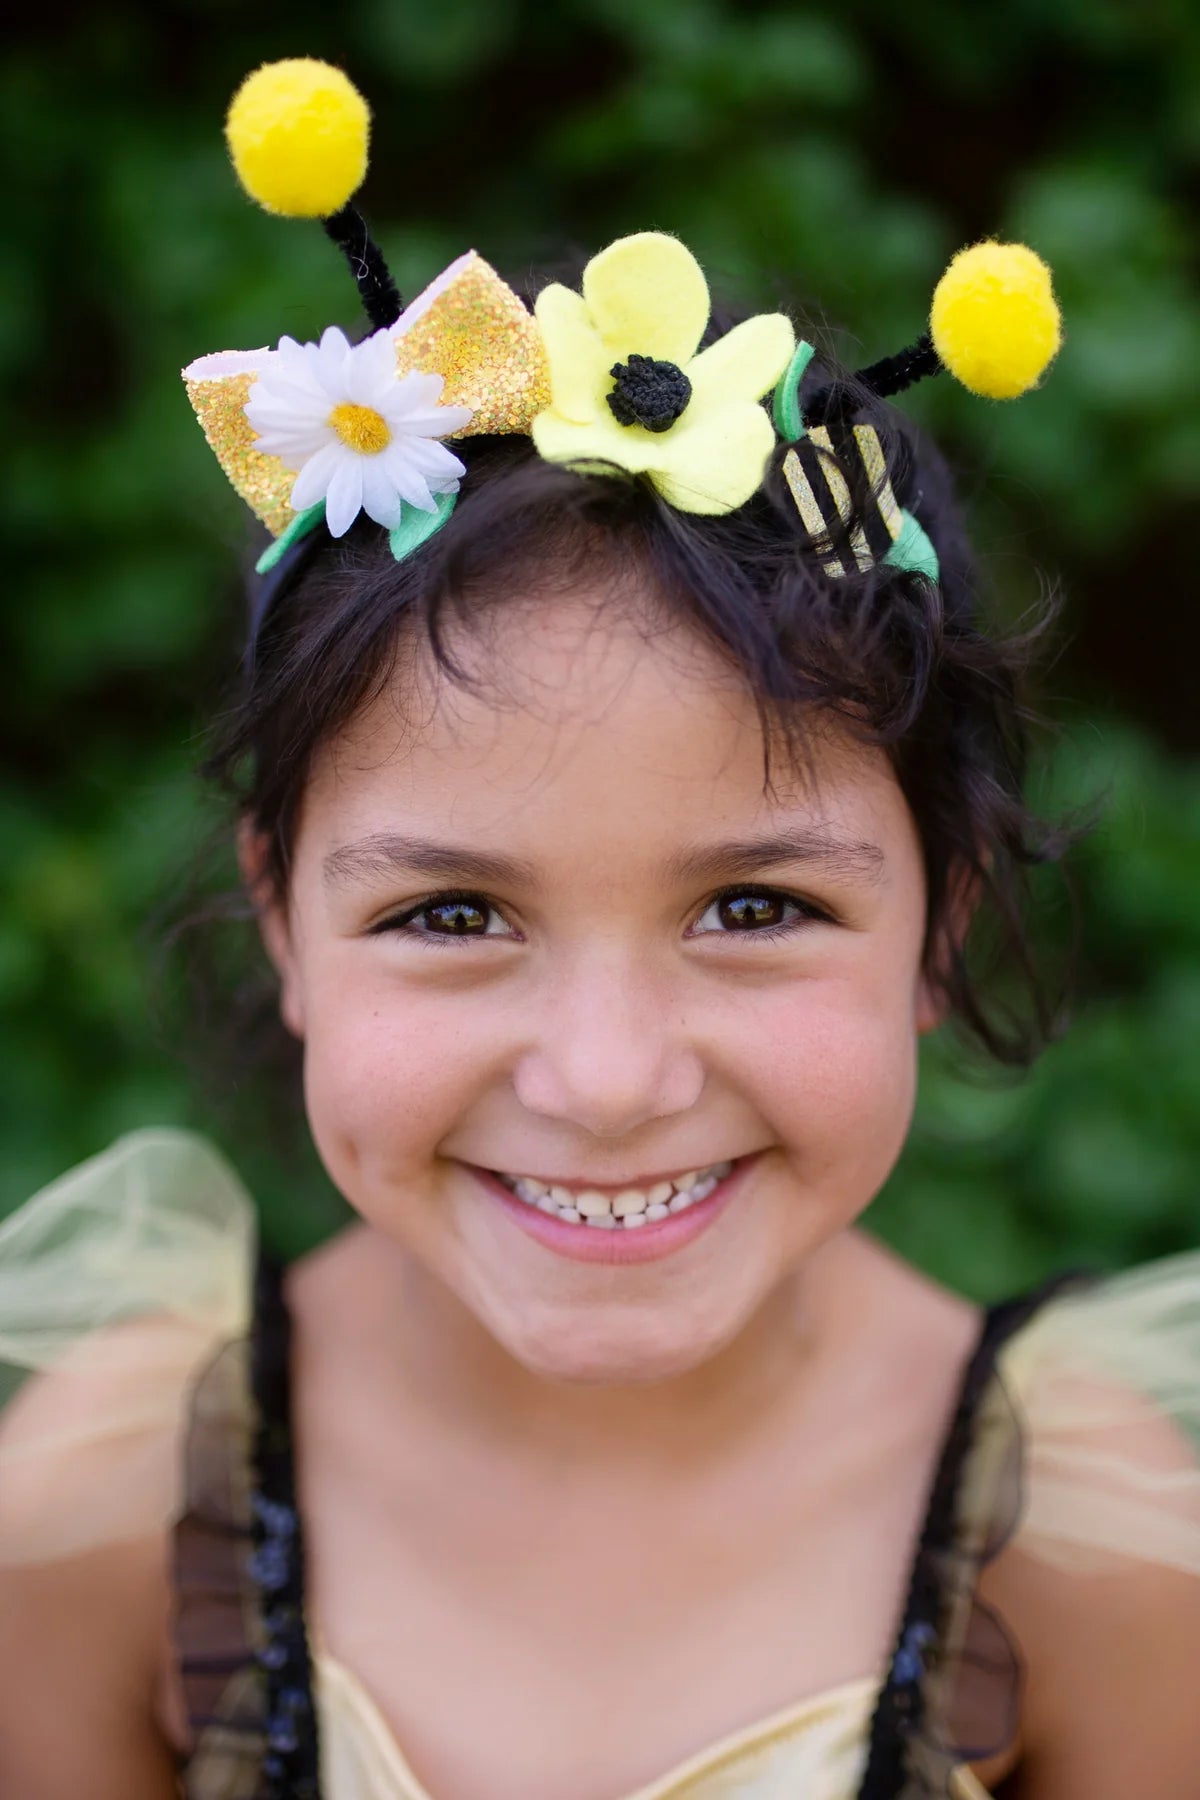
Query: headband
[609,380]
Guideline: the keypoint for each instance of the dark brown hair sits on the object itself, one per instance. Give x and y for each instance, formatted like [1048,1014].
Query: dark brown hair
[907,665]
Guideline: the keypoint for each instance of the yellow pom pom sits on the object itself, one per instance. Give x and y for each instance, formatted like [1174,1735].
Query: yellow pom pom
[995,321]
[297,132]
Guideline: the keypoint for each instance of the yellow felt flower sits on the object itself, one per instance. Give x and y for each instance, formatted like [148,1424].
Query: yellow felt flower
[627,389]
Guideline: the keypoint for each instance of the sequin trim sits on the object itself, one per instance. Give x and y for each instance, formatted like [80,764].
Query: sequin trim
[290,1765]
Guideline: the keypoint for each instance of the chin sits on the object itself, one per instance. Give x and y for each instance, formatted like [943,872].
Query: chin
[610,1352]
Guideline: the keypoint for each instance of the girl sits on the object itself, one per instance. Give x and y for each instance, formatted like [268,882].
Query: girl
[615,831]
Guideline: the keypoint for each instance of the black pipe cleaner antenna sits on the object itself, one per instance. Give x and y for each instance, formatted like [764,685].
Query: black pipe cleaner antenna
[377,290]
[892,374]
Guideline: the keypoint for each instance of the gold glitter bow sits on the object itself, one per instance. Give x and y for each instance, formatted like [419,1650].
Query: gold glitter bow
[468,326]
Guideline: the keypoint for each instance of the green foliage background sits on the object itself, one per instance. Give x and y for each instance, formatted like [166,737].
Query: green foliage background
[831,156]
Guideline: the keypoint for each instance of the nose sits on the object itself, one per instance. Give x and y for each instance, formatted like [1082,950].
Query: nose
[611,1053]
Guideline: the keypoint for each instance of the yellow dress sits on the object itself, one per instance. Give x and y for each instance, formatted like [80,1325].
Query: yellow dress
[131,1279]
[814,1750]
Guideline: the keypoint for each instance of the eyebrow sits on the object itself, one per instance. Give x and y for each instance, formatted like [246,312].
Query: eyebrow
[386,853]
[852,859]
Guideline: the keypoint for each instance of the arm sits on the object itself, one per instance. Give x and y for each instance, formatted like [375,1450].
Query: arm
[118,1285]
[1112,1661]
[81,1647]
[1101,1584]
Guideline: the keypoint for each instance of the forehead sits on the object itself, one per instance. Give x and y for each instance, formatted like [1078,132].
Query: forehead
[595,721]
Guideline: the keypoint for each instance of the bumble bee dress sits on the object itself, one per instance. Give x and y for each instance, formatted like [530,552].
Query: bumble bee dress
[137,1284]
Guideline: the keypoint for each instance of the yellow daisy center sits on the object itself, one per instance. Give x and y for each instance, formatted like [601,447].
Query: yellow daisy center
[361,428]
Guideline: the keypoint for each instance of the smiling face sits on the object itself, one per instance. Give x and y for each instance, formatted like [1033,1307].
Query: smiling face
[558,930]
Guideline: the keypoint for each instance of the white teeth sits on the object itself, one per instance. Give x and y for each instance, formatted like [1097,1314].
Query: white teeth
[629,1209]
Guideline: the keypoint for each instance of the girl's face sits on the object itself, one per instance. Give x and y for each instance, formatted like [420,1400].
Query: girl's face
[558,931]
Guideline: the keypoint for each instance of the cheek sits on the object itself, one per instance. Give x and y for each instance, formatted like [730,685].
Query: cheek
[836,1080]
[385,1077]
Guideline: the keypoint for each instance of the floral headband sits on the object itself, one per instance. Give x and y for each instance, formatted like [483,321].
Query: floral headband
[607,380]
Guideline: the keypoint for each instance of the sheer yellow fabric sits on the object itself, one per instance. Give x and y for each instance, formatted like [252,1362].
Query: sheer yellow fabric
[117,1284]
[1107,1387]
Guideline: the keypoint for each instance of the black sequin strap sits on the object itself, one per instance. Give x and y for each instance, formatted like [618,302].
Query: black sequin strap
[900,1711]
[290,1769]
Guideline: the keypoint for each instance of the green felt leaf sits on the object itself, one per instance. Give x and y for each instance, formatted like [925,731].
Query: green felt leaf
[301,525]
[416,526]
[913,550]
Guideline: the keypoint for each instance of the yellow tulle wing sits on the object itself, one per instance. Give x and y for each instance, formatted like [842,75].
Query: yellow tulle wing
[1106,1382]
[118,1285]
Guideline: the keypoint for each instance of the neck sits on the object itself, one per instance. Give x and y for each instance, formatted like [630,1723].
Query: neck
[449,1364]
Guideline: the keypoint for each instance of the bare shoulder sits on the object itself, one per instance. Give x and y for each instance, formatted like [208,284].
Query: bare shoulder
[1101,1592]
[84,1592]
[1110,1665]
[82,1647]
[1110,1647]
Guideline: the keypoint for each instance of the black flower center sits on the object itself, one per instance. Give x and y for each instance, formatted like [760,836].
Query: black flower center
[649,393]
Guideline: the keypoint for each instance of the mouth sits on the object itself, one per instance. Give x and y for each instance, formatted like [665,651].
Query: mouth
[620,1209]
[618,1224]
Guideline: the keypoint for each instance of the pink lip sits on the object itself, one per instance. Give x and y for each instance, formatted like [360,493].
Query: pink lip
[582,1243]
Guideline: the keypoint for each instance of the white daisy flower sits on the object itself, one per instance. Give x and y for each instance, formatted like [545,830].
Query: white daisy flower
[362,437]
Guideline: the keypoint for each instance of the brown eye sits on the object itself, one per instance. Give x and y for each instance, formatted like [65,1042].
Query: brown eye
[746,912]
[447,916]
[758,912]
[456,918]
